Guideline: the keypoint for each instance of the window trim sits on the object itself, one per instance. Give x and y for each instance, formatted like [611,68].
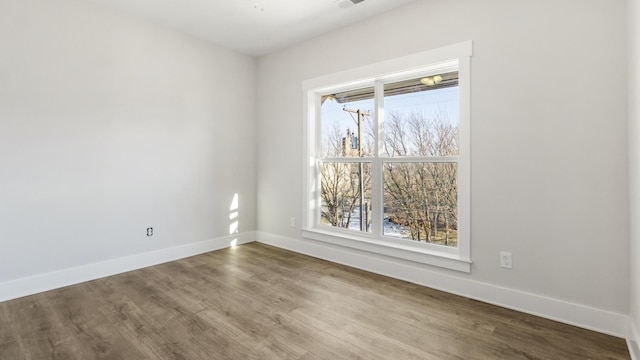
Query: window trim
[373,75]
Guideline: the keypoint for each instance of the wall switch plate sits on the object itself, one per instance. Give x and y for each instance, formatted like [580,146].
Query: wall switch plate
[505,260]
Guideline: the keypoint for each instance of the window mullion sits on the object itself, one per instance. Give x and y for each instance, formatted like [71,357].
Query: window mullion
[317,146]
[414,159]
[377,178]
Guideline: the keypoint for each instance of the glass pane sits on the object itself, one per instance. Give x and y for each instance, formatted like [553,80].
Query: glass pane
[347,117]
[346,195]
[421,116]
[420,202]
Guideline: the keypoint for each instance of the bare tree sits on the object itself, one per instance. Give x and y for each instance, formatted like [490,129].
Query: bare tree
[339,183]
[422,197]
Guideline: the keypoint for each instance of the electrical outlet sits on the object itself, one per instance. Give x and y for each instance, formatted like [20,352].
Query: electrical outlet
[505,260]
[292,221]
[149,231]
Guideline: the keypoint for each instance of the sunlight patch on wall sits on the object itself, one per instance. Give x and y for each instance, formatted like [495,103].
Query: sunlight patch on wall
[233,217]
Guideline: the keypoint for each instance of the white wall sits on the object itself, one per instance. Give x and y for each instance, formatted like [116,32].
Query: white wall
[634,166]
[549,143]
[108,125]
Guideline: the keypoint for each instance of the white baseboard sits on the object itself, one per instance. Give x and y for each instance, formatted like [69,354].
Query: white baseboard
[633,342]
[43,282]
[570,313]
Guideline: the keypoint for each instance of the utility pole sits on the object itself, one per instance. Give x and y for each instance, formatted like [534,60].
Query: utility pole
[361,115]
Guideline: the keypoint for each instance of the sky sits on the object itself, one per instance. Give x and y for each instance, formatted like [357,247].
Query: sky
[425,102]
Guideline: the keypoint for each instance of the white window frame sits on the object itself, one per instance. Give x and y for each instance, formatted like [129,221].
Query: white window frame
[420,64]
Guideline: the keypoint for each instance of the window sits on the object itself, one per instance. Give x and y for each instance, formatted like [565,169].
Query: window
[389,164]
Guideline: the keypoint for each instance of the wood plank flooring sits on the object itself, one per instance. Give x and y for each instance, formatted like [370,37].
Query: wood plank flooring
[259,302]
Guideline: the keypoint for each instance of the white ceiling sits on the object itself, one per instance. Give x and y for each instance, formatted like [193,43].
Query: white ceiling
[254,27]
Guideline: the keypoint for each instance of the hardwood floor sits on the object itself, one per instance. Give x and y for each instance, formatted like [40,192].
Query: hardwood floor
[259,302]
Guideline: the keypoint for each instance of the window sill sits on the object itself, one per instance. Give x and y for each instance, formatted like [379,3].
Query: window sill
[411,253]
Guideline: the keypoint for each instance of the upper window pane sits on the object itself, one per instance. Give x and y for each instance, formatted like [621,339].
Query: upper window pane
[422,116]
[347,117]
